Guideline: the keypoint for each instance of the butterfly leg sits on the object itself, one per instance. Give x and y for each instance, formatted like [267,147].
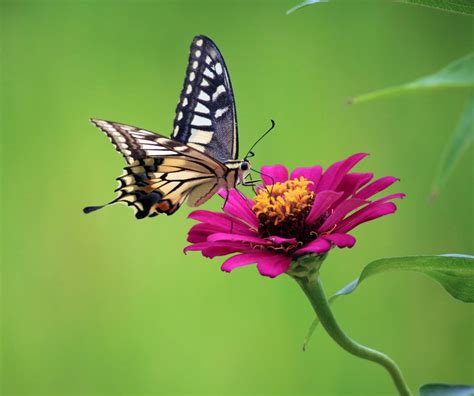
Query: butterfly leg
[223,209]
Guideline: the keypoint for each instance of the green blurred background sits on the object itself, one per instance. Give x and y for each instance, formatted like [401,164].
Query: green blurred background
[107,305]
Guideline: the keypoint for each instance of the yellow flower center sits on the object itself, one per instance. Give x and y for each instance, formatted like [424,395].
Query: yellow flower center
[283,207]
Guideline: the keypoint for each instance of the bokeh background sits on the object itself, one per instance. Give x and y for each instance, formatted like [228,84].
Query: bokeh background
[107,305]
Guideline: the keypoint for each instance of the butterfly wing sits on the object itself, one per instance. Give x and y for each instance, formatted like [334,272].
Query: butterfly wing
[205,116]
[162,173]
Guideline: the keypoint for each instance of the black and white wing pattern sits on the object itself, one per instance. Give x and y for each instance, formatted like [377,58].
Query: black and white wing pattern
[205,116]
[162,173]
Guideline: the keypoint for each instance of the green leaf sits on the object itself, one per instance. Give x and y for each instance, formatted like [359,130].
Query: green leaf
[458,74]
[455,272]
[462,138]
[304,4]
[446,390]
[465,7]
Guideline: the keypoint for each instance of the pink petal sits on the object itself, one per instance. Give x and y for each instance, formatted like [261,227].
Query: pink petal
[273,265]
[241,259]
[336,172]
[322,202]
[221,236]
[389,197]
[319,245]
[240,207]
[274,174]
[366,214]
[340,212]
[341,240]
[212,250]
[352,182]
[279,240]
[199,232]
[221,221]
[375,187]
[312,173]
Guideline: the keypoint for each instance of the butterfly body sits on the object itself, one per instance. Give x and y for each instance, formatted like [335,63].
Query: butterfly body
[198,159]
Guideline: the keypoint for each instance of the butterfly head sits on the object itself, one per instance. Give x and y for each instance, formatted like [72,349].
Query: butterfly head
[244,170]
[238,169]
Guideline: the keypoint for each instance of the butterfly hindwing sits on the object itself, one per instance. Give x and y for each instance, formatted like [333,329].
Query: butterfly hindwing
[206,116]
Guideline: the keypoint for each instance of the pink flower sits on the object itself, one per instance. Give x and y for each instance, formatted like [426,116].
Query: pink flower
[308,213]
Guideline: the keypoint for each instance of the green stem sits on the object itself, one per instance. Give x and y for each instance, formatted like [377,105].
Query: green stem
[314,291]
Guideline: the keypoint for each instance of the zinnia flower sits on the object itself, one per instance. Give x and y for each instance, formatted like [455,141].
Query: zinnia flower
[307,213]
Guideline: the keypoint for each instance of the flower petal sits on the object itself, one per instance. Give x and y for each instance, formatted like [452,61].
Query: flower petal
[335,173]
[214,249]
[322,202]
[313,173]
[375,187]
[199,232]
[240,207]
[241,259]
[279,240]
[222,236]
[221,221]
[366,214]
[273,265]
[274,174]
[340,212]
[341,240]
[352,182]
[319,245]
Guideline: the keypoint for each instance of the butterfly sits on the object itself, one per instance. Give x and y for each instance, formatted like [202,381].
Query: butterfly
[198,159]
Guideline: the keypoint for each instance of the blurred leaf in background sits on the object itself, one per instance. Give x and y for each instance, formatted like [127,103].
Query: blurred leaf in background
[446,390]
[465,7]
[458,74]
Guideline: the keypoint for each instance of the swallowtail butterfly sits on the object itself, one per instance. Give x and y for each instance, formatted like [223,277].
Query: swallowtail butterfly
[200,157]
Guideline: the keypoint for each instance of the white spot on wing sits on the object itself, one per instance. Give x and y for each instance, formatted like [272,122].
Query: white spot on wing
[176,129]
[220,89]
[199,43]
[201,121]
[220,112]
[180,115]
[208,73]
[195,64]
[197,53]
[208,60]
[185,102]
[204,96]
[160,153]
[192,76]
[204,83]
[189,89]
[201,137]
[196,146]
[218,68]
[201,108]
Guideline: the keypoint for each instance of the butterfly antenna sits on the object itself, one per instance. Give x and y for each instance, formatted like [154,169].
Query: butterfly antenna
[250,152]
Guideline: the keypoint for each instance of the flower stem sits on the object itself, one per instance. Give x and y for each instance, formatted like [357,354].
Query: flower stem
[314,291]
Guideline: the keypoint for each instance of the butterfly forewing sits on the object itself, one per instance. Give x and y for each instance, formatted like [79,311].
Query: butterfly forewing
[206,116]
[162,172]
